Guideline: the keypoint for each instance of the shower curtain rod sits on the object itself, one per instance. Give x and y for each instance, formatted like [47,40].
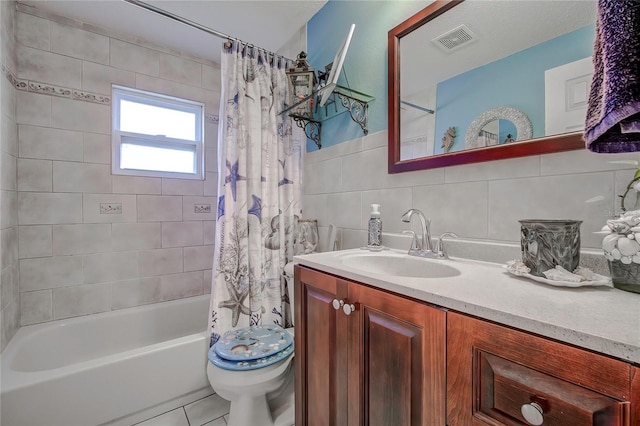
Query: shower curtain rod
[193,24]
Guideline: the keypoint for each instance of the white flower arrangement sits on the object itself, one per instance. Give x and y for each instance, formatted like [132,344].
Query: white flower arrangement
[623,241]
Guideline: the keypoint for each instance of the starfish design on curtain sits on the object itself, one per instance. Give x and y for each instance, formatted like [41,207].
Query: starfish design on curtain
[284,180]
[256,208]
[235,303]
[220,206]
[233,177]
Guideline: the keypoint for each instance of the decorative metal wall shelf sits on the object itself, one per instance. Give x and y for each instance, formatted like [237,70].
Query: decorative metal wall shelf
[310,126]
[356,103]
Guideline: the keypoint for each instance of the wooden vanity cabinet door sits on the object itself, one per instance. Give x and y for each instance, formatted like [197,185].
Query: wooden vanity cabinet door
[397,360]
[320,351]
[492,371]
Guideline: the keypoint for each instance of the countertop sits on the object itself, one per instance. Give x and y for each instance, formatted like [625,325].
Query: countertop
[601,319]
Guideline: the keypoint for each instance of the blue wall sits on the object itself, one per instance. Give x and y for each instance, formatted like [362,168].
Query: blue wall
[366,65]
[366,61]
[516,81]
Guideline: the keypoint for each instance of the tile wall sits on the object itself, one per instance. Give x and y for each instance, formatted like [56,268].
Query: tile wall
[9,287]
[480,202]
[74,259]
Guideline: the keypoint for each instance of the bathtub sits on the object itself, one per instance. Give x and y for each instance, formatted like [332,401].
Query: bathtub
[117,367]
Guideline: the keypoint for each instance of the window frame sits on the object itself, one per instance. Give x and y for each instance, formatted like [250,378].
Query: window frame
[119,137]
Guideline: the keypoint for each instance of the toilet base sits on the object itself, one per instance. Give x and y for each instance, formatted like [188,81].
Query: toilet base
[265,410]
[247,410]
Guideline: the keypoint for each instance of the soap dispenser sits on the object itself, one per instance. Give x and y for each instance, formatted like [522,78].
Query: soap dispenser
[374,241]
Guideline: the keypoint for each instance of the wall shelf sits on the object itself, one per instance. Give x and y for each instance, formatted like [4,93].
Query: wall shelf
[356,103]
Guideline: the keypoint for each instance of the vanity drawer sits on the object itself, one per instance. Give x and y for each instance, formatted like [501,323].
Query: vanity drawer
[513,394]
[493,371]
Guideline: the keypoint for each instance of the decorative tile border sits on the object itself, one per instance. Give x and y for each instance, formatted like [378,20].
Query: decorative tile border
[91,97]
[65,92]
[53,90]
[212,119]
[48,89]
[15,82]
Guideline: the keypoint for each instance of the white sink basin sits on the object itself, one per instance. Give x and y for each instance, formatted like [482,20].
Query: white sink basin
[399,265]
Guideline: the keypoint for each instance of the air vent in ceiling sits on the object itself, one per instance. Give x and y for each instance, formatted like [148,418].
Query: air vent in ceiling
[455,38]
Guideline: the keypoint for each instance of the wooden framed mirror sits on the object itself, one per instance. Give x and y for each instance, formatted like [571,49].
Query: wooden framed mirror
[456,61]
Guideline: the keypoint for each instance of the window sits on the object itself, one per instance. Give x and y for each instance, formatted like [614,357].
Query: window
[156,135]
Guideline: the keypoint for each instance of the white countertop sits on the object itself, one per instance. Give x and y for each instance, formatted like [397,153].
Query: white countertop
[602,319]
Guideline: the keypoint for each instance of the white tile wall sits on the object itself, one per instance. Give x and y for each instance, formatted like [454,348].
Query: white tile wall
[47,143]
[81,239]
[35,241]
[198,258]
[32,31]
[177,286]
[81,300]
[46,67]
[9,257]
[139,291]
[74,259]
[108,267]
[33,108]
[479,202]
[182,234]
[96,148]
[78,43]
[36,306]
[152,263]
[136,236]
[78,115]
[136,185]
[50,272]
[34,175]
[181,70]
[153,208]
[35,208]
[130,57]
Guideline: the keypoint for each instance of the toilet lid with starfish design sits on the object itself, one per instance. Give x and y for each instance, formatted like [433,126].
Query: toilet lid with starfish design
[251,347]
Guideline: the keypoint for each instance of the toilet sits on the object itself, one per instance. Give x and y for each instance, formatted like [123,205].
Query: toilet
[253,369]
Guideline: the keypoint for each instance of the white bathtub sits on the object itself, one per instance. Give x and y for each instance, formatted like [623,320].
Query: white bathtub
[115,367]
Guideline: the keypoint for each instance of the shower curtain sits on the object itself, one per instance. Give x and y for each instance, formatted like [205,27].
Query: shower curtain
[259,192]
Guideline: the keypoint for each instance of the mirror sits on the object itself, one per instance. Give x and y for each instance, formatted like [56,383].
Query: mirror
[473,81]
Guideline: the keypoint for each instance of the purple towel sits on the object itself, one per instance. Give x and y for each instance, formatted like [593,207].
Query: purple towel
[613,112]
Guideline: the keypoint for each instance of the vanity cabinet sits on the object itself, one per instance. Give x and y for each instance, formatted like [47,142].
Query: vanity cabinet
[365,356]
[501,376]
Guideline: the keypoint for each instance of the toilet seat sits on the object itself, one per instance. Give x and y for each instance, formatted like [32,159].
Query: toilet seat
[252,348]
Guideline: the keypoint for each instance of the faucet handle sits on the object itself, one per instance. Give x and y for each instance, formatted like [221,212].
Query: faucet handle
[414,241]
[440,251]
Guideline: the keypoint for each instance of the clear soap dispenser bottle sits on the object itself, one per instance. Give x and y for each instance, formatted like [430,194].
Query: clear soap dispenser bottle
[374,241]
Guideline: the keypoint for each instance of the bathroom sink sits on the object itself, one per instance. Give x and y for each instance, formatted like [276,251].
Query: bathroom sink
[400,265]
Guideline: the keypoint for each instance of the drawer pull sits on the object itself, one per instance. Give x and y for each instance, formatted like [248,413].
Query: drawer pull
[532,413]
[348,308]
[337,304]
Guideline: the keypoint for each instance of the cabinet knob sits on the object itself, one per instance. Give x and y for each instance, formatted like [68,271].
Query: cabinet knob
[532,413]
[348,308]
[337,304]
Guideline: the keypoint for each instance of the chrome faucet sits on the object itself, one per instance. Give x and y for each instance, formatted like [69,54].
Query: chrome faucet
[422,246]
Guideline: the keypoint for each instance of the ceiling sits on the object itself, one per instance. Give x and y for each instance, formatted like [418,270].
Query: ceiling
[268,24]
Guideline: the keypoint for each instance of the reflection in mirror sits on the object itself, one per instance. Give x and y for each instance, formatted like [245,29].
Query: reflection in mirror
[497,126]
[481,55]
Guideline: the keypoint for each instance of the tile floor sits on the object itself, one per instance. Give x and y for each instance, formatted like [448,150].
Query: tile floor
[210,411]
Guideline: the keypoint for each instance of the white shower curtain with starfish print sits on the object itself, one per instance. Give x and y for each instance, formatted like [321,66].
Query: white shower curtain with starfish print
[259,193]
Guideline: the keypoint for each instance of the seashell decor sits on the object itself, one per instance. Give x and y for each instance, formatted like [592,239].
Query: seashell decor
[623,242]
